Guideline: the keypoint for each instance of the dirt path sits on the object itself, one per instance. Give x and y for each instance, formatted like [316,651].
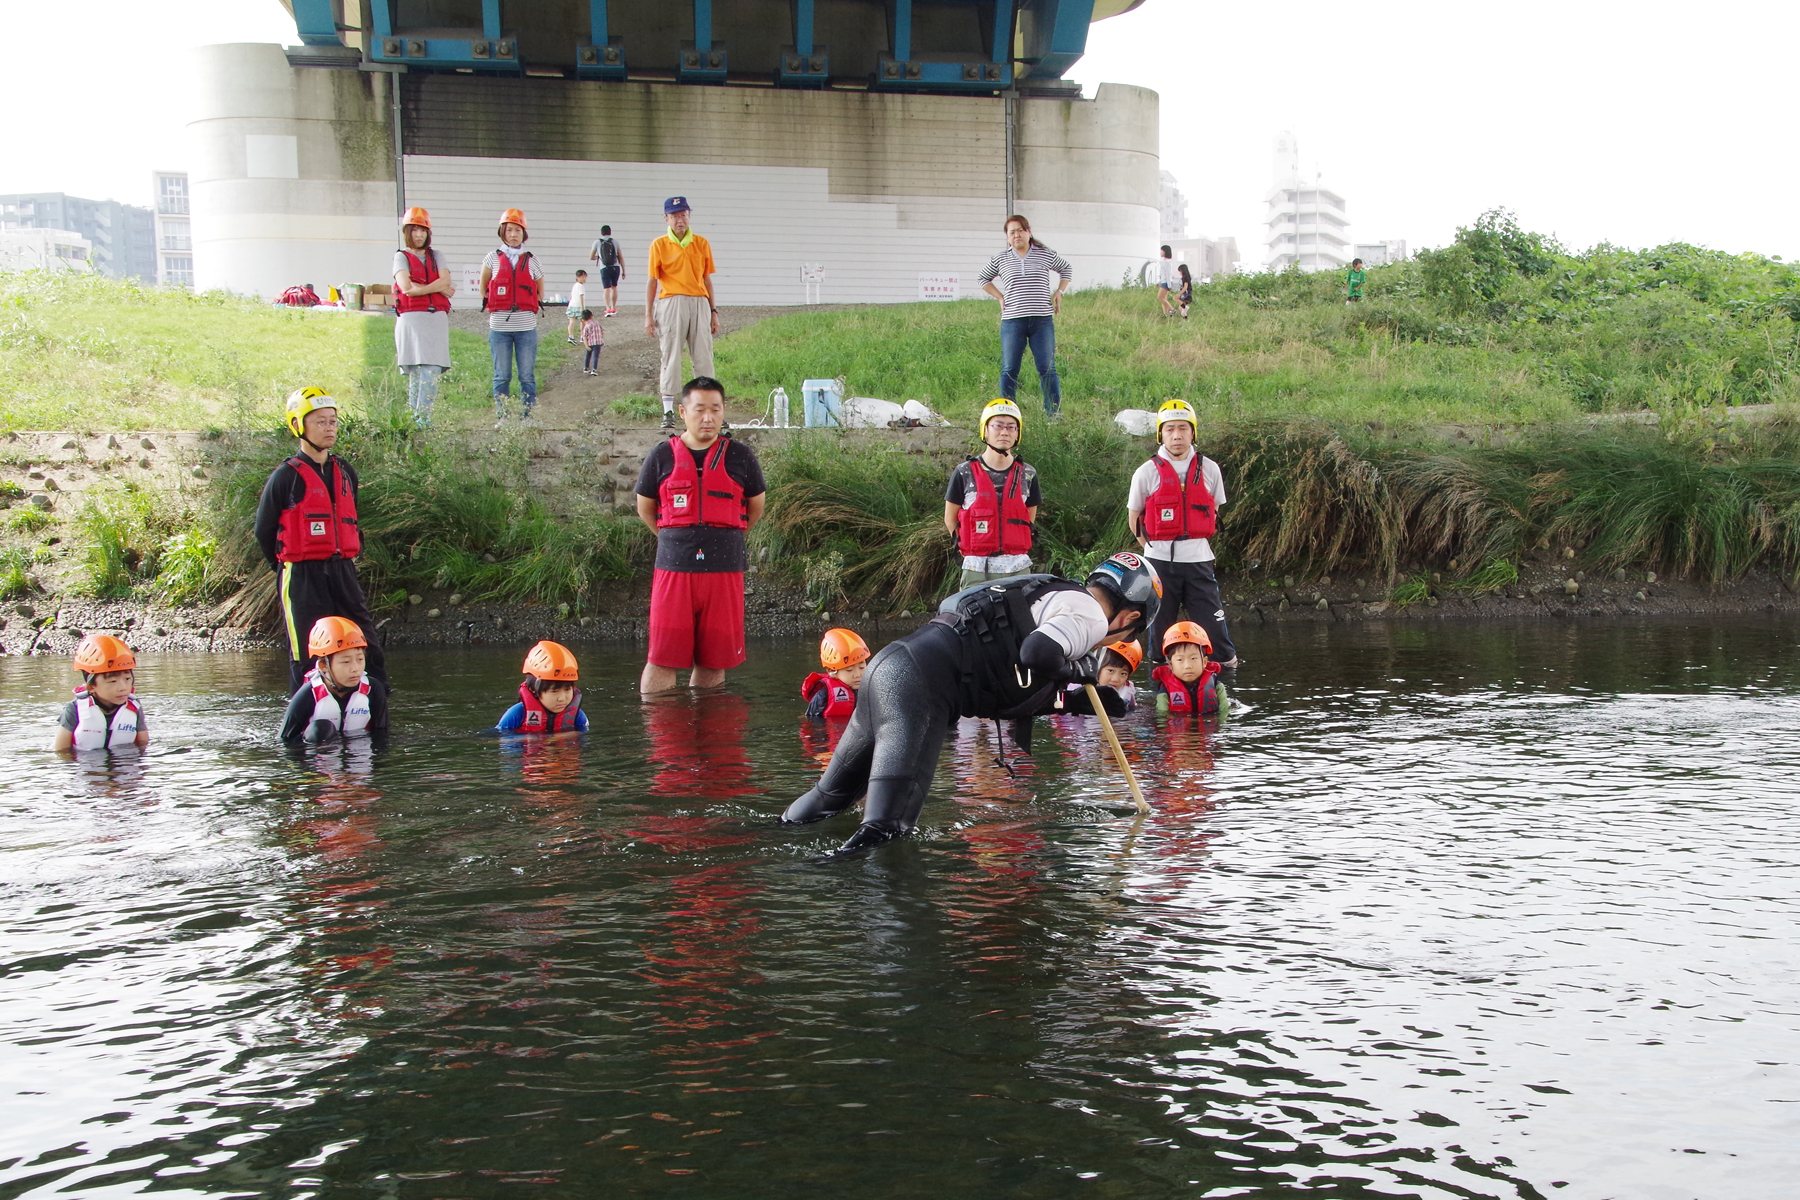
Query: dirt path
[568,399]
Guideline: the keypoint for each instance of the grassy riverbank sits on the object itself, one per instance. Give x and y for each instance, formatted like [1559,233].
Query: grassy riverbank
[1607,375]
[1500,327]
[80,352]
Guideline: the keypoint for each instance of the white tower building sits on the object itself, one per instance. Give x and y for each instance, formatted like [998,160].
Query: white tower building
[1307,222]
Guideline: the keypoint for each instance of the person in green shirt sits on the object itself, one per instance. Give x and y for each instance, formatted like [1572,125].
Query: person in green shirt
[1354,277]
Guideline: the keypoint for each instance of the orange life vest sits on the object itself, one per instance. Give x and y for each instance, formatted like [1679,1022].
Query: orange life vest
[997,522]
[322,525]
[709,496]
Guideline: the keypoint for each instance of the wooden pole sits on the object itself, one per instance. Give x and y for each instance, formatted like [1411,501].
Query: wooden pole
[1137,793]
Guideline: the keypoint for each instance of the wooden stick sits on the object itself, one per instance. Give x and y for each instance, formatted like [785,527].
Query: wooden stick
[1137,793]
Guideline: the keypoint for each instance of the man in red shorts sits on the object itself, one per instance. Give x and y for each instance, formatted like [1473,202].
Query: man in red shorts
[699,493]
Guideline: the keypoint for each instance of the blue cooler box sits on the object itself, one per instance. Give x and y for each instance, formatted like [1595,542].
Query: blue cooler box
[824,403]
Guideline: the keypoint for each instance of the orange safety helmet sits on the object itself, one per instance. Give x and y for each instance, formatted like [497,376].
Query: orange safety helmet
[102,653]
[1131,652]
[1186,631]
[552,660]
[416,216]
[331,634]
[512,216]
[841,648]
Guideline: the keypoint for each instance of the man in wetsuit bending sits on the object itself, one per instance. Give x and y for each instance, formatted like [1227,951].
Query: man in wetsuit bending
[1002,650]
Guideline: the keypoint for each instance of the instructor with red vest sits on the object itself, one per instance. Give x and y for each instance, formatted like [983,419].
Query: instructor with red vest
[699,493]
[992,501]
[512,288]
[422,292]
[1174,511]
[306,526]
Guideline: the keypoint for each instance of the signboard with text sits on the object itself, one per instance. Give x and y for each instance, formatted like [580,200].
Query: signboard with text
[939,287]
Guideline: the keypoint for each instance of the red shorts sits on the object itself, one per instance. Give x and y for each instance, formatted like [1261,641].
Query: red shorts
[697,619]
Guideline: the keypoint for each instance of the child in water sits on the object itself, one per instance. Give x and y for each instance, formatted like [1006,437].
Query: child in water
[336,699]
[1117,662]
[1188,682]
[104,712]
[831,695]
[549,701]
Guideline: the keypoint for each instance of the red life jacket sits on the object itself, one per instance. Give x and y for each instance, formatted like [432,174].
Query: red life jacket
[321,525]
[423,269]
[1175,512]
[997,523]
[511,288]
[707,497]
[539,719]
[1200,696]
[841,701]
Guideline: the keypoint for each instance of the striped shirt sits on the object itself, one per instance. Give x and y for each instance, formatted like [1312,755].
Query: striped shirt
[1025,282]
[507,320]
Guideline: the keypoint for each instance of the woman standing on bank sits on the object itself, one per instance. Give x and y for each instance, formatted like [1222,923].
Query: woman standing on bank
[1028,308]
[422,292]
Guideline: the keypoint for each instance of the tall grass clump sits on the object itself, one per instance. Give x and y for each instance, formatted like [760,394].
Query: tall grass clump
[16,579]
[121,536]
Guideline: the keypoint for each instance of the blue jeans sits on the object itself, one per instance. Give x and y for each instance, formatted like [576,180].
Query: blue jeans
[1040,332]
[421,390]
[505,345]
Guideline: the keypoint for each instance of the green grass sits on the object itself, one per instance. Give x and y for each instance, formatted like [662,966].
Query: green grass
[1541,336]
[92,354]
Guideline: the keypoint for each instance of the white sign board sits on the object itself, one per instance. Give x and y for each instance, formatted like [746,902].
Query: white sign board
[940,287]
[812,272]
[468,287]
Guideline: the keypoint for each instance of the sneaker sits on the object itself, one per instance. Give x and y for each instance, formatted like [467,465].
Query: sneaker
[668,421]
[612,312]
[525,417]
[569,340]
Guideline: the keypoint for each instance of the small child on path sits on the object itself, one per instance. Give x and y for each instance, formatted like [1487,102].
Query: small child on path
[831,694]
[336,699]
[104,713]
[577,306]
[1185,296]
[1189,681]
[549,701]
[593,336]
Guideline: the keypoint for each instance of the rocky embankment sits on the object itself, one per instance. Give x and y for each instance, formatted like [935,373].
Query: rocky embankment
[1549,589]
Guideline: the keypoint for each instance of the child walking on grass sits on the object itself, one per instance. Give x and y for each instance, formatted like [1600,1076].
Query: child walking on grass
[593,337]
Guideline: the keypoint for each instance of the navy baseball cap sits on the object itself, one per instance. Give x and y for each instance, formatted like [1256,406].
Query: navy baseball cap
[675,204]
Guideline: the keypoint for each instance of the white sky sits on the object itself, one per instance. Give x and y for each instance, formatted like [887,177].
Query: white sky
[1634,123]
[1638,123]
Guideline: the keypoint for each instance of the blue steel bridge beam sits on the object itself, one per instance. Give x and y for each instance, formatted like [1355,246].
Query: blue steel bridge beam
[903,30]
[803,27]
[315,24]
[1058,36]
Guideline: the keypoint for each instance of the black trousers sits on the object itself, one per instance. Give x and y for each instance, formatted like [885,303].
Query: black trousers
[1195,588]
[325,587]
[890,748]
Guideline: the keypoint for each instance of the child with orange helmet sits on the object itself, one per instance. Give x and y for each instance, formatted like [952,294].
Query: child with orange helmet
[104,713]
[549,701]
[1189,681]
[831,694]
[1117,663]
[337,699]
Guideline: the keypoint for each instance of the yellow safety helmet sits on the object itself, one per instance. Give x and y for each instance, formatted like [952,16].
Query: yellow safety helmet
[1000,408]
[1176,410]
[305,400]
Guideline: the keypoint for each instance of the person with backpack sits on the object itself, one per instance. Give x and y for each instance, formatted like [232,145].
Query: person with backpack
[606,252]
[512,288]
[422,292]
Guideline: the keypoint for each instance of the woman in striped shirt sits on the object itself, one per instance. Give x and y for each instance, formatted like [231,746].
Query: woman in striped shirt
[1028,308]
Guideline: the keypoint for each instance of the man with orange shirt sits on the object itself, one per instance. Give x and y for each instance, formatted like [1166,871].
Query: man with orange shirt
[678,301]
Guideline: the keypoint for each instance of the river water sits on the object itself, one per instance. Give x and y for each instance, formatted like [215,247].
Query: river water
[1448,912]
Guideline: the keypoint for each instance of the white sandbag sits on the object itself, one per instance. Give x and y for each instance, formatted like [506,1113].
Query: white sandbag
[921,412]
[1136,421]
[866,412]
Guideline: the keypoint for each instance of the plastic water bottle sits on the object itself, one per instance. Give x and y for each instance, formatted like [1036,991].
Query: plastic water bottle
[778,400]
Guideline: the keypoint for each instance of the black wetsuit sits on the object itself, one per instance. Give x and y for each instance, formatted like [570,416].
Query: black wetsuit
[981,656]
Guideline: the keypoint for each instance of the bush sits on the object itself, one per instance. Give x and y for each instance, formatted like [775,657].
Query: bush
[183,568]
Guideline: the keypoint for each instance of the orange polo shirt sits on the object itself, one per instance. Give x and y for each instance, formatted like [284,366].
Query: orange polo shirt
[680,269]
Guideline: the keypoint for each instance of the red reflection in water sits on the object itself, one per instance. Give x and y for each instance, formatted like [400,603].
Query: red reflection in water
[699,742]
